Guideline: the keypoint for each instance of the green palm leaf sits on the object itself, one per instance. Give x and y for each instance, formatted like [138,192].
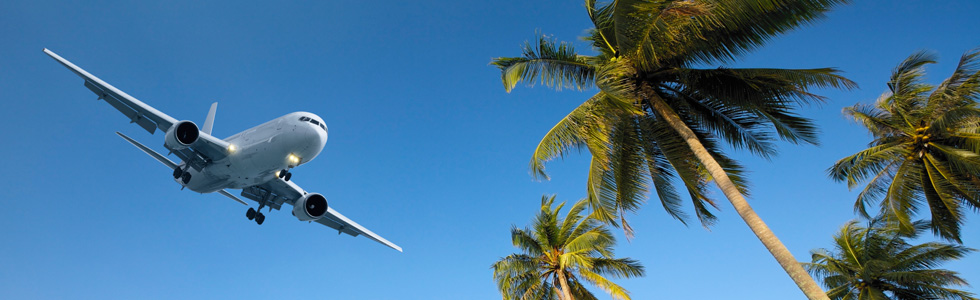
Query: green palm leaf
[735,27]
[556,64]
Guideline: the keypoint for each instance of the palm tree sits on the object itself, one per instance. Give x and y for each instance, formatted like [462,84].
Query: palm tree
[925,147]
[558,255]
[877,262]
[656,118]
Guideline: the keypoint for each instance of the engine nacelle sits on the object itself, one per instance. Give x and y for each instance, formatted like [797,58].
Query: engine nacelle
[181,135]
[310,207]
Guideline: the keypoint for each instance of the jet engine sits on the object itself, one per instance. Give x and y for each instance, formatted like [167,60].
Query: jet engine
[181,135]
[310,207]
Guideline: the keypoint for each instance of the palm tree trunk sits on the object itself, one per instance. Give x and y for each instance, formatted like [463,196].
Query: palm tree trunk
[567,293]
[768,238]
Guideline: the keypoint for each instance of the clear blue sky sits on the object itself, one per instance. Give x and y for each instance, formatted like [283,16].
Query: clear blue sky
[426,148]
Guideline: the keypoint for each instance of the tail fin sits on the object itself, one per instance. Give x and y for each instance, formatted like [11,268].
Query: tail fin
[209,122]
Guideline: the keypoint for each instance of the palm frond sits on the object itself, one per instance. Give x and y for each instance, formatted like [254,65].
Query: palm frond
[642,26]
[879,122]
[554,63]
[876,188]
[525,240]
[901,200]
[604,34]
[906,79]
[949,117]
[759,94]
[613,289]
[575,222]
[735,27]
[858,166]
[960,160]
[944,209]
[589,241]
[962,85]
[601,197]
[579,291]
[584,126]
[662,176]
[628,167]
[740,128]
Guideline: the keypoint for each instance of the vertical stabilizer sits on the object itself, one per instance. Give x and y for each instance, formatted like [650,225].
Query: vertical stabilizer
[209,122]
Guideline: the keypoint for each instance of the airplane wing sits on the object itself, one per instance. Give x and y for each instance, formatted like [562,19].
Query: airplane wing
[138,112]
[209,148]
[287,191]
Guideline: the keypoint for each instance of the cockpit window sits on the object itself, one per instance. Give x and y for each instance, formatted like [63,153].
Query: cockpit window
[315,122]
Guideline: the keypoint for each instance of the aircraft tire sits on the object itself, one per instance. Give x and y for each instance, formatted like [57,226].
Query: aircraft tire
[178,172]
[288,175]
[259,218]
[250,214]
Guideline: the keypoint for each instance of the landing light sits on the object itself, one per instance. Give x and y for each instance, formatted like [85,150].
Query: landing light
[232,148]
[293,159]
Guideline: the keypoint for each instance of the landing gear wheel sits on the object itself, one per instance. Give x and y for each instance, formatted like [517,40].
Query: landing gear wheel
[282,173]
[185,178]
[178,172]
[288,175]
[259,218]
[250,213]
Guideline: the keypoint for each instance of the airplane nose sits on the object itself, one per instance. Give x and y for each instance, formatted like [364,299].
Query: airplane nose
[318,138]
[325,134]
[315,139]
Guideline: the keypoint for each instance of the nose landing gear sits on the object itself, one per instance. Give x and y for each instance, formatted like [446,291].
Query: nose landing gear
[285,174]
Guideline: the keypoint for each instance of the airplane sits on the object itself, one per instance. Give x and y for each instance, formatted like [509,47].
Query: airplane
[258,160]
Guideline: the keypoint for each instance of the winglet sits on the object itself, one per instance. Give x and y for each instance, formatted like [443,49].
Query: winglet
[209,122]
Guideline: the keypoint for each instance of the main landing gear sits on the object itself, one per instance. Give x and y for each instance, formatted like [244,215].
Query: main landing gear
[285,174]
[252,214]
[183,175]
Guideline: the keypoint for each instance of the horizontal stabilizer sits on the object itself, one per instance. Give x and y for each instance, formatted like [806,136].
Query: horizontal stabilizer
[170,164]
[163,160]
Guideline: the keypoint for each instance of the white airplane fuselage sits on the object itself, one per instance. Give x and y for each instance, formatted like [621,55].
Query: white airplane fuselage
[261,152]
